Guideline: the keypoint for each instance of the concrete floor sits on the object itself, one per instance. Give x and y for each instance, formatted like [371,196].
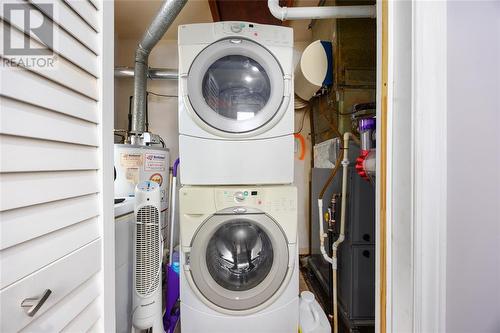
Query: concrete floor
[302,283]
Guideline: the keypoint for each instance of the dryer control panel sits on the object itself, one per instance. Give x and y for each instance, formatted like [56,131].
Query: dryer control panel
[266,34]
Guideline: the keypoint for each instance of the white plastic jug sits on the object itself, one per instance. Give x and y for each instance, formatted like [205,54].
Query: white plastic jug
[312,318]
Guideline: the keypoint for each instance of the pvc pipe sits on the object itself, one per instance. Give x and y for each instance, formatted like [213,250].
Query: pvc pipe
[306,13]
[322,234]
[341,238]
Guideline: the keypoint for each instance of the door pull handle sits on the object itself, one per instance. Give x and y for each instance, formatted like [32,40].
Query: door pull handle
[34,304]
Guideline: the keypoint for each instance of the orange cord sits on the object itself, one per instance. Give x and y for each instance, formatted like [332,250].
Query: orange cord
[302,141]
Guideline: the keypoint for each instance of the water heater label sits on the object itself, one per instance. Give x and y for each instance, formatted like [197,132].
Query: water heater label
[132,175]
[155,162]
[131,160]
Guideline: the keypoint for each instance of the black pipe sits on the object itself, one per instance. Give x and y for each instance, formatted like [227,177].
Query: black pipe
[130,99]
[147,111]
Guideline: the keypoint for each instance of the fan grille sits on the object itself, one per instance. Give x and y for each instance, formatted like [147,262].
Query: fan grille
[147,259]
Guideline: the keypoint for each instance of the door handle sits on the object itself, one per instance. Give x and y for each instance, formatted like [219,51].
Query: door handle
[34,304]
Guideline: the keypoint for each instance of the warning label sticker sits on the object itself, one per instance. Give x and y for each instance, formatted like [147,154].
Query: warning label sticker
[132,175]
[131,160]
[155,162]
[157,178]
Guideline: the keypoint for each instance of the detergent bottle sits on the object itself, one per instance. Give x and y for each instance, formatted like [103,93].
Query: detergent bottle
[312,318]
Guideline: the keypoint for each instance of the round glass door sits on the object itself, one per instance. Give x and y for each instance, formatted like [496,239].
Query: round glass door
[239,255]
[239,262]
[235,86]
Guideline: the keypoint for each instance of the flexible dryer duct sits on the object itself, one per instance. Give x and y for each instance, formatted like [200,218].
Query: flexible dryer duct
[162,21]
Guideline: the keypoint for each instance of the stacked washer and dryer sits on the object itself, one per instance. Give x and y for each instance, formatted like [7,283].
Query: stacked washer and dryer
[238,209]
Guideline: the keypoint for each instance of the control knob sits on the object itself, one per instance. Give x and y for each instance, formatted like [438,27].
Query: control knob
[236,27]
[239,196]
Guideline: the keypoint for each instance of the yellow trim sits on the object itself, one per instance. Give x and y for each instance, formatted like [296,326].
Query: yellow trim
[383,170]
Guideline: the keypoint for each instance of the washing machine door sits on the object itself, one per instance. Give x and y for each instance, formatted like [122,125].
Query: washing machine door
[238,262]
[236,86]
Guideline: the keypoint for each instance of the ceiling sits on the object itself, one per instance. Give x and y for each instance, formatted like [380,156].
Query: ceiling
[132,17]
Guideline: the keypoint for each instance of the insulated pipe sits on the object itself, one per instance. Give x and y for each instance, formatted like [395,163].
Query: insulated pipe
[162,21]
[306,13]
[153,73]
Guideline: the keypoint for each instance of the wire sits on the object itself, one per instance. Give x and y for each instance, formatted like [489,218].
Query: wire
[302,122]
[161,95]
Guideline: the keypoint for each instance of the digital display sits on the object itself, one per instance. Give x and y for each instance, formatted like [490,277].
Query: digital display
[254,192]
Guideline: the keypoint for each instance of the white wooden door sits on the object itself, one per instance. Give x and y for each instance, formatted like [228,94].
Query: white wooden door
[56,219]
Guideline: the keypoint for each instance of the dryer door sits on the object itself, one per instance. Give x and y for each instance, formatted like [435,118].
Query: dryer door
[239,262]
[236,86]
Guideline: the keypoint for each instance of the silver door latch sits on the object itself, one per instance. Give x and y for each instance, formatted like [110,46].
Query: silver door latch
[34,304]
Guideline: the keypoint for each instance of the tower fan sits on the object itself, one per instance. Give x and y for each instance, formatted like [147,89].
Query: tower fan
[147,297]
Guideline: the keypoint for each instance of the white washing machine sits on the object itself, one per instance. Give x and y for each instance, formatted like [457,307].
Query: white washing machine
[239,259]
[236,116]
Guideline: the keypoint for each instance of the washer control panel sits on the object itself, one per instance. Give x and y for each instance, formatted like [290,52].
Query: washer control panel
[267,199]
[235,197]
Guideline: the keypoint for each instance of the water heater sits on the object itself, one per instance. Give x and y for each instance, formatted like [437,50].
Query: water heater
[135,164]
[148,245]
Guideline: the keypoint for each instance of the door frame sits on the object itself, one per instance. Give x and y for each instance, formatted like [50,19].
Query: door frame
[106,194]
[412,164]
[429,163]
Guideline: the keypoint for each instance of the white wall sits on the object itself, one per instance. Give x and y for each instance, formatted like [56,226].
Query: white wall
[473,237]
[163,116]
[302,177]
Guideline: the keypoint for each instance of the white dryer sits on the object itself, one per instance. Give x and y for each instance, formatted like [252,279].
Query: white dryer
[239,259]
[236,116]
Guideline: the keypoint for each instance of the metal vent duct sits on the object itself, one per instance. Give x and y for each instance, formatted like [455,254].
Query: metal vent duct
[153,73]
[167,14]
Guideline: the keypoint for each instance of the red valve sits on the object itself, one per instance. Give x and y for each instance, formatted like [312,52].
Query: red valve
[360,169]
